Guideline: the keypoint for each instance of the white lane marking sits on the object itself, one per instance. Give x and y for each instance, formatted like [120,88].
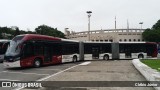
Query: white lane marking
[85,63]
[8,80]
[42,79]
[24,73]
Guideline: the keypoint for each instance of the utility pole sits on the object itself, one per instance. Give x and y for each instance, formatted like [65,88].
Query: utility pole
[115,23]
[89,15]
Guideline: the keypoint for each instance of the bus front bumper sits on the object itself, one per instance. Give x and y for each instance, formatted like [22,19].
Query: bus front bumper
[12,64]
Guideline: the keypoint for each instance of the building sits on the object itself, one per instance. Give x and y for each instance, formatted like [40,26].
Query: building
[109,35]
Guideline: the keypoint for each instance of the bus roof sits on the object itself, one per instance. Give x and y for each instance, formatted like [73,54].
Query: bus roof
[68,40]
[132,42]
[96,42]
[124,42]
[138,42]
[38,37]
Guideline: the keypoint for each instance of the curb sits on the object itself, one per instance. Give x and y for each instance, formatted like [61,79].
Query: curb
[149,73]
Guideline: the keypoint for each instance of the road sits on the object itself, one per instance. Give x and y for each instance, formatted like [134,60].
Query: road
[30,74]
[118,70]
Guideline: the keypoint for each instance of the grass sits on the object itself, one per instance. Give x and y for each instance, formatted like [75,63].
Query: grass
[153,63]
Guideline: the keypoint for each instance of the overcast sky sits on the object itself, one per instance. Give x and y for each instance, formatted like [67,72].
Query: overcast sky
[72,13]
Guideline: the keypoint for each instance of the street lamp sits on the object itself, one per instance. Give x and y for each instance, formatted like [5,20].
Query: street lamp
[141,24]
[89,15]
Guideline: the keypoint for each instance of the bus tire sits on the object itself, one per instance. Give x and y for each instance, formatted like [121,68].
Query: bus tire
[74,59]
[37,63]
[140,56]
[106,57]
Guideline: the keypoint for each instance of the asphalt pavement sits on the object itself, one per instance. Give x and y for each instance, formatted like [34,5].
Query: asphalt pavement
[30,74]
[117,70]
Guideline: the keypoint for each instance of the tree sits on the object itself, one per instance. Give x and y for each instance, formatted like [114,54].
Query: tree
[156,26]
[153,34]
[17,32]
[47,30]
[1,36]
[7,32]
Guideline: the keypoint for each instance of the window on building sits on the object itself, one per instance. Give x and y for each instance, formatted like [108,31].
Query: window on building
[111,40]
[129,40]
[120,40]
[106,40]
[101,40]
[139,40]
[125,40]
[97,40]
[134,40]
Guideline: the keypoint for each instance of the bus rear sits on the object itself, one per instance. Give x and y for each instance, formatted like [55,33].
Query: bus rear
[3,48]
[129,50]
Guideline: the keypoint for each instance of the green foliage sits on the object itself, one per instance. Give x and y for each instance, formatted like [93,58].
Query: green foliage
[154,64]
[152,35]
[1,36]
[17,32]
[42,29]
[11,32]
[156,26]
[5,30]
[47,30]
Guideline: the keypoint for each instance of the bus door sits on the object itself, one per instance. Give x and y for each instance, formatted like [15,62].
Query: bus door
[128,52]
[47,53]
[95,52]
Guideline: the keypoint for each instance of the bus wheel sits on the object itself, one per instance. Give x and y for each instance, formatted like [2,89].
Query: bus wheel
[106,57]
[37,63]
[140,56]
[74,58]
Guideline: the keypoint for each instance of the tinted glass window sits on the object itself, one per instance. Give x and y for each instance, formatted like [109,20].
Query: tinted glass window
[14,47]
[38,48]
[56,49]
[70,48]
[28,50]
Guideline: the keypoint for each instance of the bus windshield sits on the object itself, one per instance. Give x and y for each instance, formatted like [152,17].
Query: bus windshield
[13,48]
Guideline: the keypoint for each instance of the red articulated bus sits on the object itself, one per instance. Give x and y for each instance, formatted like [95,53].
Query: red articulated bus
[36,50]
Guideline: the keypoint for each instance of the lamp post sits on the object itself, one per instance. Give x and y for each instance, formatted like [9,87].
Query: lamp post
[89,15]
[141,24]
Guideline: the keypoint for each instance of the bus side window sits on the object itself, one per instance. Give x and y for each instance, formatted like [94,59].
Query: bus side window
[121,48]
[28,50]
[159,48]
[56,49]
[38,49]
